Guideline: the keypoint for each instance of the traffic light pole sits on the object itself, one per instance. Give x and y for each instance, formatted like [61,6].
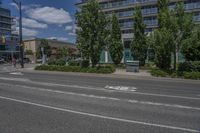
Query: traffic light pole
[20,34]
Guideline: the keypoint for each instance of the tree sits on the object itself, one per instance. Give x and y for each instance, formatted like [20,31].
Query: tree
[162,41]
[116,45]
[47,49]
[185,26]
[191,46]
[62,52]
[92,31]
[139,44]
[28,52]
[163,37]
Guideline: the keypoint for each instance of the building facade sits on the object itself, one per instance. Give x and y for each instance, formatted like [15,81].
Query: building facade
[34,44]
[124,9]
[8,42]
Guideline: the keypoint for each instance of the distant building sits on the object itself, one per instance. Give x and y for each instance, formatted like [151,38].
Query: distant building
[8,42]
[33,45]
[124,9]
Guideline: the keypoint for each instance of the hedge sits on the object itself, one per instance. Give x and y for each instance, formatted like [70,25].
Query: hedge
[158,73]
[191,75]
[101,69]
[189,66]
[59,62]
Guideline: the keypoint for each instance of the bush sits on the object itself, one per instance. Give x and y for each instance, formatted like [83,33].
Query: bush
[74,63]
[189,66]
[158,73]
[105,70]
[191,75]
[85,63]
[60,62]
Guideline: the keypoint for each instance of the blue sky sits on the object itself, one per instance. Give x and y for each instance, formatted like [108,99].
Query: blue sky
[46,18]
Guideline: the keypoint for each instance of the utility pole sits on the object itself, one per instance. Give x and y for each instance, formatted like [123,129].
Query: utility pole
[20,33]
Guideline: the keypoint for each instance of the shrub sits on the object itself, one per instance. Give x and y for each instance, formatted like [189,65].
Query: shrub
[191,75]
[174,75]
[85,63]
[189,66]
[100,69]
[60,62]
[158,73]
[73,63]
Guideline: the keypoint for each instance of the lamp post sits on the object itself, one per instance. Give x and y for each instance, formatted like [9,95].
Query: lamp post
[20,32]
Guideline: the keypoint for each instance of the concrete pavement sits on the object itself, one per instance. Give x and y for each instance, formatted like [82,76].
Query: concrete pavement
[56,103]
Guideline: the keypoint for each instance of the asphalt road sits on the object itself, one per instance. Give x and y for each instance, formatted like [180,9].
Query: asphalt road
[78,103]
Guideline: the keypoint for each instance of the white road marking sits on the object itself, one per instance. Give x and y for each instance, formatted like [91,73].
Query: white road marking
[95,88]
[121,88]
[106,98]
[15,79]
[164,104]
[168,96]
[102,116]
[16,73]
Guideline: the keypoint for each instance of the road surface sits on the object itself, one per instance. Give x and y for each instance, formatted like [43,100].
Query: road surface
[77,103]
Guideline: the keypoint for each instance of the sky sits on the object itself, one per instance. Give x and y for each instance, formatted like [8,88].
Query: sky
[52,19]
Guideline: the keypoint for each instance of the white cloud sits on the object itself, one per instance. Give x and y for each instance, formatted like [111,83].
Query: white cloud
[49,15]
[31,23]
[59,38]
[27,32]
[67,28]
[73,32]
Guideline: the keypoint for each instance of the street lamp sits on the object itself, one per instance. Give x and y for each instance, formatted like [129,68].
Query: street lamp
[19,5]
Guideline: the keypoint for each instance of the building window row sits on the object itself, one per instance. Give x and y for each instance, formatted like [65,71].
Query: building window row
[150,21]
[6,26]
[4,12]
[190,4]
[153,10]
[4,19]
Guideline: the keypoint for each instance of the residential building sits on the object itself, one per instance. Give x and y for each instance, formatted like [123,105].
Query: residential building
[8,42]
[124,9]
[34,44]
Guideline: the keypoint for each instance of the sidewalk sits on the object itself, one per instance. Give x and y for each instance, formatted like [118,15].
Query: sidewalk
[143,73]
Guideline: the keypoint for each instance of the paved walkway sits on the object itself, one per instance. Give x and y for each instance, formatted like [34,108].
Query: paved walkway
[140,73]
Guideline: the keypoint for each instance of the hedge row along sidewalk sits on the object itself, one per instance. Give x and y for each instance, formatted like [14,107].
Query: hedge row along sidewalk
[100,69]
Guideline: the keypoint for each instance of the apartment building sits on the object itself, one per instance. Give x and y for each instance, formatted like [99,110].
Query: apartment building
[124,9]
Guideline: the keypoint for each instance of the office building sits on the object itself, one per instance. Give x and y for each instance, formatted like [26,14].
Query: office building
[124,9]
[8,42]
[33,45]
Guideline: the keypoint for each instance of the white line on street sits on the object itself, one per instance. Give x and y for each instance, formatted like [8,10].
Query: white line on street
[121,88]
[95,88]
[16,73]
[107,98]
[102,116]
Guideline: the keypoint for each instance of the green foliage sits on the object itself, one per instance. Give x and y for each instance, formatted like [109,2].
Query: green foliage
[139,43]
[191,75]
[62,52]
[116,45]
[158,73]
[28,52]
[85,63]
[191,46]
[162,46]
[92,33]
[47,49]
[74,63]
[189,66]
[59,62]
[104,70]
